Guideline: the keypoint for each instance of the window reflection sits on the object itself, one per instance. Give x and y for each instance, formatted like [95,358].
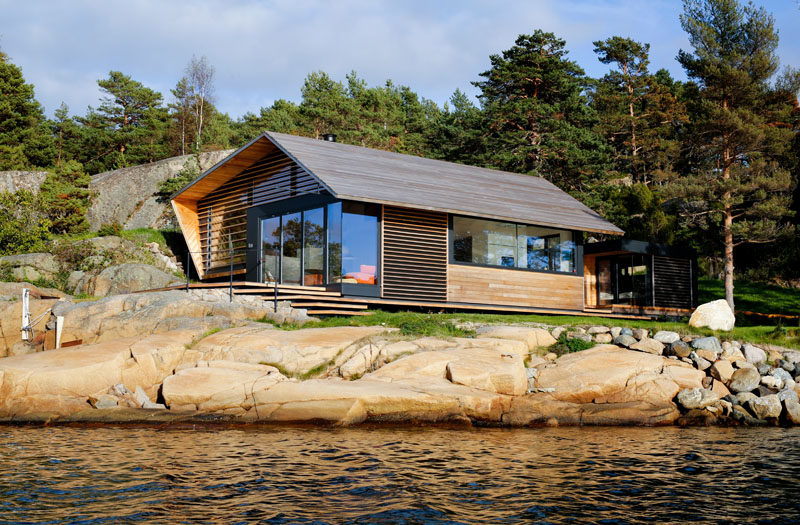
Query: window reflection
[504,244]
[360,243]
[294,245]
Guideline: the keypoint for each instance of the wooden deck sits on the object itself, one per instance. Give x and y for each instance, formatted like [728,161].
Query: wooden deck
[319,301]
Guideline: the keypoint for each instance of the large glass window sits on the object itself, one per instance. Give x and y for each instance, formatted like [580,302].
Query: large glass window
[271,249]
[334,244]
[359,243]
[505,244]
[292,241]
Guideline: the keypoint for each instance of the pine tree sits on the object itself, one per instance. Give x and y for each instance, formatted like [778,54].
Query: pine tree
[127,128]
[66,198]
[25,141]
[539,121]
[638,113]
[735,181]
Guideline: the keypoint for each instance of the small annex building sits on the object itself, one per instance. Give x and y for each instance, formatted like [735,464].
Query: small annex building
[383,228]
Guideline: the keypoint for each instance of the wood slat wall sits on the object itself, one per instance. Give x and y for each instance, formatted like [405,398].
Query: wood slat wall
[672,279]
[414,264]
[475,284]
[590,280]
[222,213]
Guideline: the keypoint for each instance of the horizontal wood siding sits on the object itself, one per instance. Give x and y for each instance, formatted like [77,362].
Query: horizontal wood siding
[223,212]
[672,282]
[474,284]
[414,254]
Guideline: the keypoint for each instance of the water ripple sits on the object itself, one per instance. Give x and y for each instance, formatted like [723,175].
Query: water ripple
[385,475]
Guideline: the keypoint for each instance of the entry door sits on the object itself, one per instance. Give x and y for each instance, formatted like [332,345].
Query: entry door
[605,281]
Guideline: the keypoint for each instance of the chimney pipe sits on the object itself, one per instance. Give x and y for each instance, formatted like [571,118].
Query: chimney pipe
[329,137]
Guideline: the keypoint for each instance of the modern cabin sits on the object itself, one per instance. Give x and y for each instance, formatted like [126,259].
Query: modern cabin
[380,228]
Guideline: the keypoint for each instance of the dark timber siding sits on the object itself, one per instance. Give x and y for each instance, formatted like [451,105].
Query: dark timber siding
[223,212]
[414,254]
[672,280]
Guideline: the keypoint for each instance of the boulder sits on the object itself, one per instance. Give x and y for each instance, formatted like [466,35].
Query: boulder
[767,407]
[215,386]
[787,393]
[707,343]
[722,370]
[31,266]
[542,409]
[666,337]
[720,389]
[690,398]
[616,331]
[579,335]
[502,374]
[680,349]
[297,351]
[532,337]
[754,354]
[125,278]
[640,333]
[593,330]
[743,397]
[792,411]
[699,362]
[744,380]
[773,383]
[651,346]
[361,362]
[603,338]
[716,315]
[608,374]
[625,340]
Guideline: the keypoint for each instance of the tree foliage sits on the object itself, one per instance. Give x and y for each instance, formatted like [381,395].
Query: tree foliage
[25,141]
[734,177]
[24,226]
[539,118]
[65,196]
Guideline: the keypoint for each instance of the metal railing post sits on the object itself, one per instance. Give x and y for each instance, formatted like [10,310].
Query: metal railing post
[275,284]
[186,268]
[230,290]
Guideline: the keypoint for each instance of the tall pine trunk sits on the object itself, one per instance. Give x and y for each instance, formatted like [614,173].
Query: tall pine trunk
[727,222]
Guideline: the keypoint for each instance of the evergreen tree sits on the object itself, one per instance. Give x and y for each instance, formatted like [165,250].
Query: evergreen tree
[539,121]
[66,198]
[638,113]
[283,117]
[66,135]
[735,180]
[325,107]
[457,134]
[24,227]
[127,128]
[25,141]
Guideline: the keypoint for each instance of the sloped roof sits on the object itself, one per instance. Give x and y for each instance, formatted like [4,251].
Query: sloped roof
[364,174]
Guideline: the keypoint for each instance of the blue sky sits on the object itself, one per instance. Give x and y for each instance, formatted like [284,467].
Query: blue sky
[262,50]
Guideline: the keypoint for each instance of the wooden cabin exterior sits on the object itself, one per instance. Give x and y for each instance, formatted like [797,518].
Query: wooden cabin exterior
[387,228]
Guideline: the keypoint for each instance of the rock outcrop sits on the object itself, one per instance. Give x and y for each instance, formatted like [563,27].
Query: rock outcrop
[128,196]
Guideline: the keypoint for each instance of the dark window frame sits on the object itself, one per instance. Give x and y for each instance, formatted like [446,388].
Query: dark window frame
[577,239]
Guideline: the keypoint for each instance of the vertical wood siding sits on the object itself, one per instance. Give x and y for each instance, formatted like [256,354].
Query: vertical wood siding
[414,251]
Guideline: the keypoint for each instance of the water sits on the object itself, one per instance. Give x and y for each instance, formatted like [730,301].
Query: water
[389,475]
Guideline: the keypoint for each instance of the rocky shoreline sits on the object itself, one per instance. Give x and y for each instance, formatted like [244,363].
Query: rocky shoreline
[172,358]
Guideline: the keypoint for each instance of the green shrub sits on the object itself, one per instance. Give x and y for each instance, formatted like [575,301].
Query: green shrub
[190,171]
[24,226]
[66,197]
[566,346]
[108,230]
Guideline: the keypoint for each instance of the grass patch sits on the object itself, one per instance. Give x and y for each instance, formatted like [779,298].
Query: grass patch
[410,323]
[752,296]
[414,324]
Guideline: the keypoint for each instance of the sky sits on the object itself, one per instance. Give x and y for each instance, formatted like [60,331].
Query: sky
[262,50]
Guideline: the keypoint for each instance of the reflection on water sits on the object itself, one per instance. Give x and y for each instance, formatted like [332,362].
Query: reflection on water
[418,475]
